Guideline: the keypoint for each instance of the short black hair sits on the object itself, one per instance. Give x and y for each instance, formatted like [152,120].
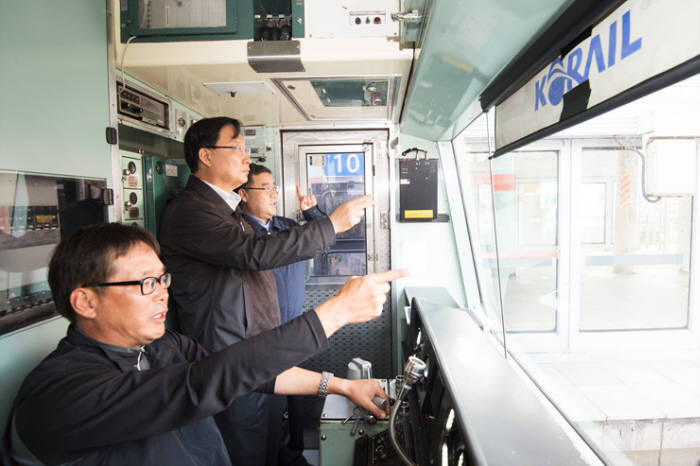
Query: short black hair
[255,169]
[205,133]
[87,255]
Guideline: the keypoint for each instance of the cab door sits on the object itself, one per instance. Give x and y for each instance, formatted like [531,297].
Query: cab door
[336,166]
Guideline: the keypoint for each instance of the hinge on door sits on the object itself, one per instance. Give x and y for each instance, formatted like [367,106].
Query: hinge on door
[384,220]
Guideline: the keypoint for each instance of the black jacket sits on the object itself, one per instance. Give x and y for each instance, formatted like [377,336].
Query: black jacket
[208,249]
[87,404]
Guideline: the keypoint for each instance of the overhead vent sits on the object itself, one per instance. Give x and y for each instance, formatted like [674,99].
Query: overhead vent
[342,98]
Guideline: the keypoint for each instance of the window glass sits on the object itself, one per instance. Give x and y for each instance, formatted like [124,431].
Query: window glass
[525,195]
[639,279]
[475,179]
[335,178]
[595,245]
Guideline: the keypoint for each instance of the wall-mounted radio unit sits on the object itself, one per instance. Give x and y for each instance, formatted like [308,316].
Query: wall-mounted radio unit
[139,106]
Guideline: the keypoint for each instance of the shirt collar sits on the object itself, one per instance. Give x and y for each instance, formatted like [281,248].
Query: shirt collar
[108,346]
[260,222]
[231,198]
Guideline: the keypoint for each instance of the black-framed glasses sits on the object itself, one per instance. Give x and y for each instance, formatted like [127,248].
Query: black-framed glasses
[236,148]
[148,284]
[269,189]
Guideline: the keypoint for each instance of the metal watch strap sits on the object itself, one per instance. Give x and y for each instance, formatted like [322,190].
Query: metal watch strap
[323,388]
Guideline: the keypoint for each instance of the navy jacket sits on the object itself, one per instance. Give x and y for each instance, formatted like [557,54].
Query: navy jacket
[290,278]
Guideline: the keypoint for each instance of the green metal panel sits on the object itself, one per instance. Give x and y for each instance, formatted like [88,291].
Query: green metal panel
[54,90]
[240,22]
[53,116]
[337,444]
[163,180]
[239,25]
[467,43]
[298,20]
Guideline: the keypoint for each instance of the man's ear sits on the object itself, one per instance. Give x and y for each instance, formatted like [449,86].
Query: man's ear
[84,302]
[244,195]
[205,156]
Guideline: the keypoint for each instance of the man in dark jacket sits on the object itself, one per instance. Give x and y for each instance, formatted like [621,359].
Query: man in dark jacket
[120,390]
[259,203]
[221,268]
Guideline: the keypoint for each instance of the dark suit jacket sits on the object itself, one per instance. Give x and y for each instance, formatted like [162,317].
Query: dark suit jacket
[210,250]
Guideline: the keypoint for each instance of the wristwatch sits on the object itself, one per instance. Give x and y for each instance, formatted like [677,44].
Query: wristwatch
[323,388]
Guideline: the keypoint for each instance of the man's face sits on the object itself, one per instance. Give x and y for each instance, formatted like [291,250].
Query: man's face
[229,167]
[124,316]
[260,203]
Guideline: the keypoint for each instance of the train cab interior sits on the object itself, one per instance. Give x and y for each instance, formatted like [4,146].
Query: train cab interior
[534,166]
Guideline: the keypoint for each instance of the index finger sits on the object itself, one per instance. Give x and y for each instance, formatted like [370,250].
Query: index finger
[389,275]
[364,201]
[365,198]
[299,195]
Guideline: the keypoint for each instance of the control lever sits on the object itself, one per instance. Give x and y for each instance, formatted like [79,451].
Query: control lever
[380,402]
[358,368]
[412,373]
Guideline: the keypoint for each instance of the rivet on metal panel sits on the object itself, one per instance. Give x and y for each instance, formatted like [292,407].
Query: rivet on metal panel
[323,437]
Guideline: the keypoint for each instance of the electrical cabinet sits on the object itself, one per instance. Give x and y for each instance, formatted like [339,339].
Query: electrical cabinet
[163,180]
[174,20]
[132,188]
[418,180]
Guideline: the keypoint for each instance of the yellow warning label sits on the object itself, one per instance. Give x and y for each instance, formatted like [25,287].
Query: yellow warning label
[419,213]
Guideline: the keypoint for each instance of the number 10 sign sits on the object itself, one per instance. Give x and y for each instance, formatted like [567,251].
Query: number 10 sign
[344,164]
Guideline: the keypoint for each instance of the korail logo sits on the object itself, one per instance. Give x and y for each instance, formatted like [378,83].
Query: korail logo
[564,74]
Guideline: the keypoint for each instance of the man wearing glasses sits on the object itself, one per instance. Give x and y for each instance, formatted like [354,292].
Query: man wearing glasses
[121,390]
[223,285]
[259,202]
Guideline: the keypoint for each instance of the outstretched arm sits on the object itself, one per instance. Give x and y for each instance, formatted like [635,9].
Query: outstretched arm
[298,381]
[359,300]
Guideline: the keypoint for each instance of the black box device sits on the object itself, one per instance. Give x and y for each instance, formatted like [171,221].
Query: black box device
[418,189]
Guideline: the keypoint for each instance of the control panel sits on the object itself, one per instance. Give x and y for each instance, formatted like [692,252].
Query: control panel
[36,212]
[132,188]
[259,142]
[353,18]
[143,108]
